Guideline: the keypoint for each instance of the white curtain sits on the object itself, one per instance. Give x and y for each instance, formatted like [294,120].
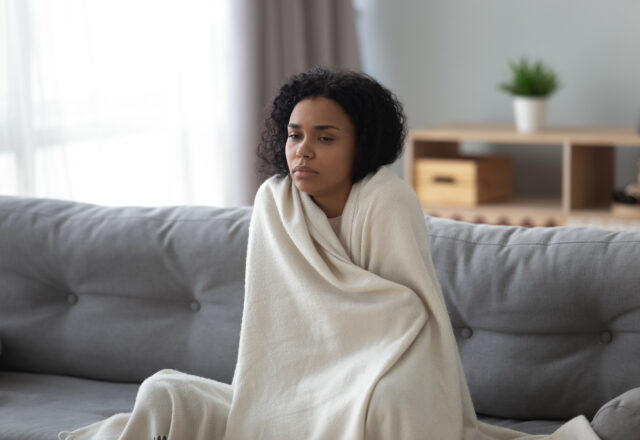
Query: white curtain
[151,102]
[114,102]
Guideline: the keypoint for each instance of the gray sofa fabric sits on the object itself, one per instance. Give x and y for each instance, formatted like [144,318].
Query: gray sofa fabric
[551,315]
[528,426]
[619,418]
[38,406]
[116,294]
[95,299]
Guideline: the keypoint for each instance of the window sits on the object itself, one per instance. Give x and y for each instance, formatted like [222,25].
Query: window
[114,102]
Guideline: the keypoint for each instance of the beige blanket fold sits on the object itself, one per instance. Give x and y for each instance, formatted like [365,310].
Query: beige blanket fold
[343,337]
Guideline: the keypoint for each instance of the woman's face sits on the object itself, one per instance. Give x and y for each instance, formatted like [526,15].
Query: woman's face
[321,137]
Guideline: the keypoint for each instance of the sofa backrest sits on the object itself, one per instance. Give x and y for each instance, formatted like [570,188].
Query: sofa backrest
[547,319]
[117,293]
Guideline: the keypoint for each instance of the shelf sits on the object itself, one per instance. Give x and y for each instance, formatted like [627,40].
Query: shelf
[603,219]
[588,171]
[521,210]
[604,212]
[534,211]
[506,133]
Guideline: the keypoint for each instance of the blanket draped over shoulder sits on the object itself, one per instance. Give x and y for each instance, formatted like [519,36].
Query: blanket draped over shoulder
[342,337]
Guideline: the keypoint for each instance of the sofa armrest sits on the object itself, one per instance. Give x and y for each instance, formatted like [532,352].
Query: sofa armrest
[619,419]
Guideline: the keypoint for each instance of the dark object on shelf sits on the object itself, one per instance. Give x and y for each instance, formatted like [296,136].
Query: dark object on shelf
[527,223]
[621,196]
[479,220]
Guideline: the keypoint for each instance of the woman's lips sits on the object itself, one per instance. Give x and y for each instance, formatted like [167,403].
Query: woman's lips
[303,174]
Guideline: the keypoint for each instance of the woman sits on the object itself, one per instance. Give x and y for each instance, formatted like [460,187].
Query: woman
[345,333]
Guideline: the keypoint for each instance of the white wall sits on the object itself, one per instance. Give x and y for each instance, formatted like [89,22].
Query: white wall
[444,59]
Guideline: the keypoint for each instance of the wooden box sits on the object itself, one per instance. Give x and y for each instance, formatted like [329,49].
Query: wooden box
[463,181]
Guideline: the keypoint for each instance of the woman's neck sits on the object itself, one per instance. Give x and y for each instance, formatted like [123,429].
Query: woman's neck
[334,205]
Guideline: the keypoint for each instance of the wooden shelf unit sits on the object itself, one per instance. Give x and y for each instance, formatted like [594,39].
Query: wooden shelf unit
[588,172]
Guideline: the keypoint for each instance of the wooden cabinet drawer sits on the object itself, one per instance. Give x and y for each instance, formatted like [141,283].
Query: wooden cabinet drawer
[464,181]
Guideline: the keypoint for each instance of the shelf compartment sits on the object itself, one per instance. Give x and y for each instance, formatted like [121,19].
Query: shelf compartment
[588,176]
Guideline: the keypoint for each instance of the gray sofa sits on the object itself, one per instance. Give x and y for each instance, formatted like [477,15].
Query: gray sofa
[95,299]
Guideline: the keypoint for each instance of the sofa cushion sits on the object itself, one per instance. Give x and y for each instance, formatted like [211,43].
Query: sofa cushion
[547,319]
[118,293]
[619,419]
[38,406]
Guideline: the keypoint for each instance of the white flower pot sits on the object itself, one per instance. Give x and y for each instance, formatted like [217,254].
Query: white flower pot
[530,113]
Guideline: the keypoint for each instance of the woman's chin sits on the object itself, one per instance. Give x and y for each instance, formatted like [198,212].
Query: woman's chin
[303,186]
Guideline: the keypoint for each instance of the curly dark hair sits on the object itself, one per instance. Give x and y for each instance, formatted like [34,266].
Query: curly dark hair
[376,113]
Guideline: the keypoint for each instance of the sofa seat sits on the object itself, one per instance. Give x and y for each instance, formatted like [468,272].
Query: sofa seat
[37,406]
[528,426]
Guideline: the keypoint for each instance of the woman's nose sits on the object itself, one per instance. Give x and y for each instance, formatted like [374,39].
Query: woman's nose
[304,150]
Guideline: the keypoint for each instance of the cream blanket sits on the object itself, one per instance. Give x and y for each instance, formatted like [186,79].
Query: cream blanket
[342,337]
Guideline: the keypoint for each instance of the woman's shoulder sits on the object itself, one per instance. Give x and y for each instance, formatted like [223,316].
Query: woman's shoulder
[385,190]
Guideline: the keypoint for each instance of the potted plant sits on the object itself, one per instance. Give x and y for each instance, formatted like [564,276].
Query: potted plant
[531,84]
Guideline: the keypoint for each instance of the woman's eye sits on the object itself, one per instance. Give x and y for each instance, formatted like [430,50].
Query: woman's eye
[325,139]
[293,136]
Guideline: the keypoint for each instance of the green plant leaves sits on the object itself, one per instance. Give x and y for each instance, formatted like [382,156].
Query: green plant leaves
[530,79]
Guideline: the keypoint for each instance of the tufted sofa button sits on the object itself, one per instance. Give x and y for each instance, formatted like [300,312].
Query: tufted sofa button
[72,299]
[466,332]
[195,306]
[605,337]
